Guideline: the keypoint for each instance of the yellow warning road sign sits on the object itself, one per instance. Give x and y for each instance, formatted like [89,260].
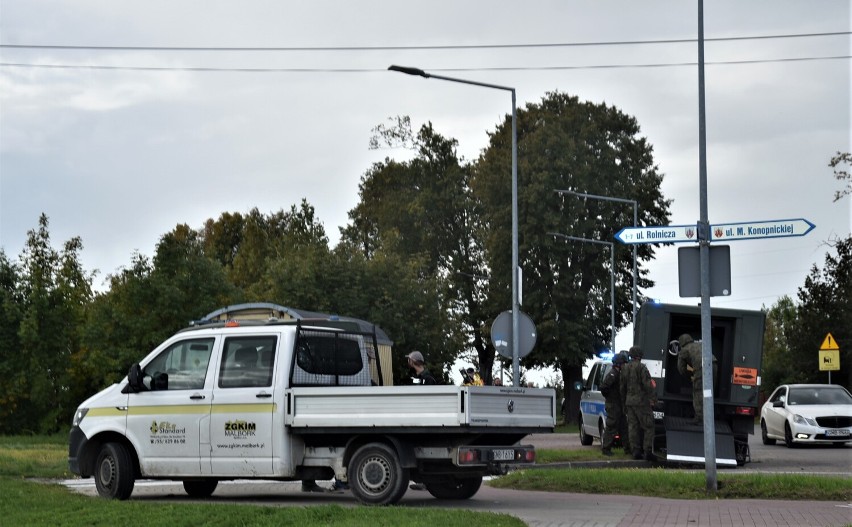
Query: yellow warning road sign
[829,360]
[829,343]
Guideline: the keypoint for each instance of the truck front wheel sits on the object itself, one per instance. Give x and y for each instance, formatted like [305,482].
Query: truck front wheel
[114,477]
[376,476]
[454,488]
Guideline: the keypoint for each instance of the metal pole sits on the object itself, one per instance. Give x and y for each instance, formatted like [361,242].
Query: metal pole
[635,224]
[704,262]
[611,279]
[612,296]
[516,302]
[515,266]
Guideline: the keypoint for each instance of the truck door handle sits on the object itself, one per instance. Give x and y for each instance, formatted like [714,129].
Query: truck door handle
[196,396]
[263,395]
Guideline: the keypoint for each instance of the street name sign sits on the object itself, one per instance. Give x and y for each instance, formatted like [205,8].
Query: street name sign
[747,230]
[758,230]
[661,234]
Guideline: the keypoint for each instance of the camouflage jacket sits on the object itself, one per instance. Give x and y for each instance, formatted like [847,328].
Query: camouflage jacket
[636,384]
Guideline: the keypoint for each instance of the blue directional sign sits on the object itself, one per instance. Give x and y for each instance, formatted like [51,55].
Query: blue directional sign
[758,230]
[661,234]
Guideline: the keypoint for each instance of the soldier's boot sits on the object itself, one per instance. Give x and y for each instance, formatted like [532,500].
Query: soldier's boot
[637,454]
[606,451]
[649,456]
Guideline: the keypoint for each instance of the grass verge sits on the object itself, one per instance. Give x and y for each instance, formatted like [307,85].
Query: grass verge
[34,456]
[663,483]
[36,504]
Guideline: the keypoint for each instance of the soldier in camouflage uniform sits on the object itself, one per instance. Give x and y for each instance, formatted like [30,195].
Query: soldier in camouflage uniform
[689,365]
[615,417]
[638,386]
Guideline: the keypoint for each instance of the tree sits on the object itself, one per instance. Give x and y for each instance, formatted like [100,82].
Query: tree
[781,321]
[421,214]
[825,306]
[580,146]
[47,296]
[841,174]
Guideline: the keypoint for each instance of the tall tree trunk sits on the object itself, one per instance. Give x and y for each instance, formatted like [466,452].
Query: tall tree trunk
[571,408]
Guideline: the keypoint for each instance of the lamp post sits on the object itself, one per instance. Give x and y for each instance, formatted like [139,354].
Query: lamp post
[515,269]
[611,279]
[635,224]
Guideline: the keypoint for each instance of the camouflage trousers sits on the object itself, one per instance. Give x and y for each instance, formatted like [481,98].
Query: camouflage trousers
[698,398]
[640,425]
[616,422]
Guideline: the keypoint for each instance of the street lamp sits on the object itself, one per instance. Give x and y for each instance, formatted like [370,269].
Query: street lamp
[635,224]
[611,279]
[515,270]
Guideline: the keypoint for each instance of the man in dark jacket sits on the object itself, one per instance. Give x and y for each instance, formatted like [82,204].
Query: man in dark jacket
[416,363]
[640,395]
[615,416]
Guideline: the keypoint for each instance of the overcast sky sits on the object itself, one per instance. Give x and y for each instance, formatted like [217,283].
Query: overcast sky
[120,156]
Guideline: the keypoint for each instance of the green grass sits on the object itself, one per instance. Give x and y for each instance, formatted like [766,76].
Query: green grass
[664,483]
[34,456]
[37,504]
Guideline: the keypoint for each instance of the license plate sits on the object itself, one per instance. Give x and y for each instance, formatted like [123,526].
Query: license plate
[658,416]
[836,433]
[503,455]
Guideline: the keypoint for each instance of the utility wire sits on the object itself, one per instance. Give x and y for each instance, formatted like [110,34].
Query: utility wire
[374,70]
[404,48]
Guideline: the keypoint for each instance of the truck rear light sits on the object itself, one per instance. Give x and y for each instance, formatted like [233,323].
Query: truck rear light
[744,410]
[468,456]
[529,456]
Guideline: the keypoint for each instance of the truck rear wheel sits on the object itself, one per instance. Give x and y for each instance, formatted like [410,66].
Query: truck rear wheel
[114,474]
[453,488]
[376,476]
[585,439]
[200,488]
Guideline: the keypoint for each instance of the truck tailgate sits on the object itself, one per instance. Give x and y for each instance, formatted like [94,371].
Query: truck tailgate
[420,406]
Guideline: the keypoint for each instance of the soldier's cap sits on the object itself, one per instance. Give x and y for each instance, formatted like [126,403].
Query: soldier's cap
[636,352]
[684,339]
[621,358]
[416,356]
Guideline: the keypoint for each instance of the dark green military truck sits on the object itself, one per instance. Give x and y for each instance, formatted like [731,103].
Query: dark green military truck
[737,337]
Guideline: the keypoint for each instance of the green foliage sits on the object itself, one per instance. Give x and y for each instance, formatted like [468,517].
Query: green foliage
[45,301]
[567,144]
[795,331]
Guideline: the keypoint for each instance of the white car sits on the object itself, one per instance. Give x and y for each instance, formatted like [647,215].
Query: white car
[808,414]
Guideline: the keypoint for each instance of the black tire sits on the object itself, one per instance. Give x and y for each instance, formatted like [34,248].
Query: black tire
[763,434]
[585,439]
[788,436]
[376,476]
[454,488]
[200,488]
[114,473]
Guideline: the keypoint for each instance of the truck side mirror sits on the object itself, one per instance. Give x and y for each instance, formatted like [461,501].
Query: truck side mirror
[579,386]
[134,378]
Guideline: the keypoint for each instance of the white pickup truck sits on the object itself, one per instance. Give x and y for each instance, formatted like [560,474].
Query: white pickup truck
[285,401]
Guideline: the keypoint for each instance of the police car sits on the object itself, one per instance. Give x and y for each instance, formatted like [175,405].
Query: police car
[592,416]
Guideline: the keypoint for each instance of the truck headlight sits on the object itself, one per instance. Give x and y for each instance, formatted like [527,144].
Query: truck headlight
[79,415]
